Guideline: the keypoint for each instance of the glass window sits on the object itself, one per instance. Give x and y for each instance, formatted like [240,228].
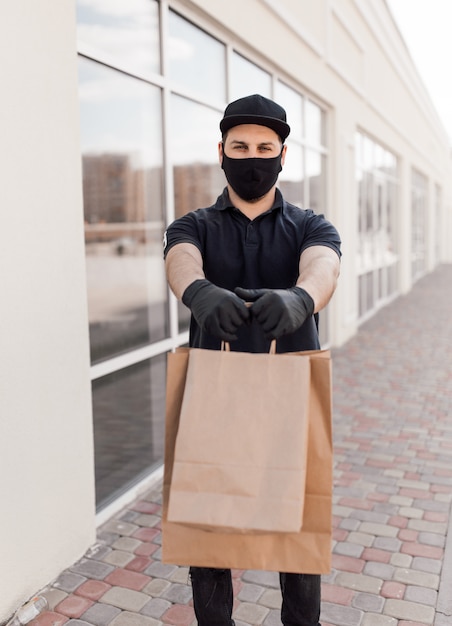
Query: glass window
[315,124]
[291,179]
[123,206]
[197,61]
[316,174]
[125,34]
[198,177]
[376,170]
[194,137]
[247,78]
[419,204]
[292,102]
[128,413]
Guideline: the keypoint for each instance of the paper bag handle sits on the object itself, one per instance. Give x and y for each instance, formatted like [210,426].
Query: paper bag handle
[226,346]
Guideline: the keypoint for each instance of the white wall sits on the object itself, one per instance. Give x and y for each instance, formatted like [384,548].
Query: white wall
[46,449]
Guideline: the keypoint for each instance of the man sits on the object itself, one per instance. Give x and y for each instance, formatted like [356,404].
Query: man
[252,268]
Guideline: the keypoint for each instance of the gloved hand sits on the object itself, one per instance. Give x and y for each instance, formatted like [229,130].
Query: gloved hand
[218,311]
[278,311]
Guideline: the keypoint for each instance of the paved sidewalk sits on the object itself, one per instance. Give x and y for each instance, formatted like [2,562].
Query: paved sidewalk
[392,559]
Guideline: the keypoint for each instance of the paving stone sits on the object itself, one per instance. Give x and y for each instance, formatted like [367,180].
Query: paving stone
[373,619]
[180,615]
[359,582]
[433,566]
[181,575]
[107,537]
[347,563]
[160,570]
[101,614]
[132,619]
[369,603]
[392,589]
[271,598]
[98,551]
[334,594]
[341,615]
[73,606]
[118,558]
[250,593]
[156,587]
[93,589]
[387,543]
[138,563]
[379,570]
[68,581]
[379,530]
[401,560]
[147,520]
[156,607]
[126,599]
[428,527]
[251,613]
[128,544]
[125,578]
[421,594]
[266,579]
[92,569]
[49,618]
[129,516]
[401,609]
[432,539]
[350,524]
[120,528]
[362,539]
[348,549]
[54,597]
[273,619]
[146,534]
[411,513]
[178,594]
[419,549]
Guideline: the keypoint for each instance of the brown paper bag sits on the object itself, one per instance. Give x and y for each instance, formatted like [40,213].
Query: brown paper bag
[307,551]
[241,448]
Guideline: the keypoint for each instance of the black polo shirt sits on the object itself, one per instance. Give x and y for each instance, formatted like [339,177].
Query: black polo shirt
[263,252]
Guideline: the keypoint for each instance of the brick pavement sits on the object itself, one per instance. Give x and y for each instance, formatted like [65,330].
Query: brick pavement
[392,563]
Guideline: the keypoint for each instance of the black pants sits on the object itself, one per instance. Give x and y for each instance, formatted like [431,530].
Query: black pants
[213,598]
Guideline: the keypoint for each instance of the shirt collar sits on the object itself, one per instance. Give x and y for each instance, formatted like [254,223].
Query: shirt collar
[224,202]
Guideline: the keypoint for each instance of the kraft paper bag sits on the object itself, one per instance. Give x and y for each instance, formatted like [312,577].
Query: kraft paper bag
[241,447]
[306,551]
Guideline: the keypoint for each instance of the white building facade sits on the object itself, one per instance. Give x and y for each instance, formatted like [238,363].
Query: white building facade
[110,132]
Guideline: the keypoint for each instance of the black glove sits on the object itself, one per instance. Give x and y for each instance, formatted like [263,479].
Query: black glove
[278,311]
[218,311]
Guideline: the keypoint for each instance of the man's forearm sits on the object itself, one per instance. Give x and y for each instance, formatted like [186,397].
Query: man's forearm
[183,266]
[319,271]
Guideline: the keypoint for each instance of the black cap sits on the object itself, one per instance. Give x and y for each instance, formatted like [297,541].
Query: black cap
[256,109]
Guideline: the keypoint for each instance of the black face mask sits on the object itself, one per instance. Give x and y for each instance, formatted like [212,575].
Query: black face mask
[251,178]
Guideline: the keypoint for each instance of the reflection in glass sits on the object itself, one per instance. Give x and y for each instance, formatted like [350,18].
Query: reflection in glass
[315,124]
[196,60]
[247,78]
[292,102]
[129,408]
[198,177]
[291,182]
[194,136]
[125,33]
[316,173]
[419,204]
[123,207]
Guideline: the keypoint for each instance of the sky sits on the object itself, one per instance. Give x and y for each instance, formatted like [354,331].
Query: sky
[426,26]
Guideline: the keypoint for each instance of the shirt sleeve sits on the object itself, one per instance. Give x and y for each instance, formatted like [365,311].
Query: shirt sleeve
[182,230]
[320,232]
